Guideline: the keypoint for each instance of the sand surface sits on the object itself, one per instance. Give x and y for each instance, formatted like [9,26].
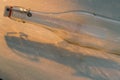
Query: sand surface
[88,50]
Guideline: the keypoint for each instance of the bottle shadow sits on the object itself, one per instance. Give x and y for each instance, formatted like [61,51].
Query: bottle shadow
[83,65]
